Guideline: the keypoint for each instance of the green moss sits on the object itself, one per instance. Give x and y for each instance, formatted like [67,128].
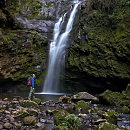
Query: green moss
[37,100]
[27,103]
[125,110]
[59,117]
[111,117]
[109,126]
[112,98]
[81,105]
[102,50]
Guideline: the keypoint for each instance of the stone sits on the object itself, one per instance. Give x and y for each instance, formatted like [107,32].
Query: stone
[8,125]
[99,121]
[20,113]
[83,96]
[113,98]
[64,99]
[52,105]
[5,99]
[38,125]
[18,125]
[27,103]
[33,111]
[54,111]
[14,99]
[30,120]
[6,112]
[15,102]
[43,103]
[1,126]
[37,100]
[48,112]
[108,126]
[111,117]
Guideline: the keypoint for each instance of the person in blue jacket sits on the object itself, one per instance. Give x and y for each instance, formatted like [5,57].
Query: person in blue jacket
[31,87]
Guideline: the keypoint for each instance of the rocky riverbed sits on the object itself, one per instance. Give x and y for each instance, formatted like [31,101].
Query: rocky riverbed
[81,111]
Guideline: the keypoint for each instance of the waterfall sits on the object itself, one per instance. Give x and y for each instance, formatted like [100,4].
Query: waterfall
[57,52]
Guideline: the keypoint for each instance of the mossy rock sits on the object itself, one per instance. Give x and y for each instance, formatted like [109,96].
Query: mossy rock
[37,100]
[30,120]
[83,96]
[113,98]
[27,103]
[109,126]
[60,117]
[125,110]
[33,112]
[21,114]
[81,105]
[111,117]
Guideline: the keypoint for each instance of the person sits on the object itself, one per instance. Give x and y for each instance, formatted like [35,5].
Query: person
[31,87]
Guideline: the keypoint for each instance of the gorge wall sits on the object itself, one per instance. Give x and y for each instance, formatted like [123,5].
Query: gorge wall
[99,57]
[98,54]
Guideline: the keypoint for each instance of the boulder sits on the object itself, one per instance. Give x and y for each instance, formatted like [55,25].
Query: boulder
[111,117]
[37,100]
[113,98]
[64,99]
[125,110]
[20,113]
[30,120]
[27,103]
[83,96]
[38,125]
[8,125]
[80,105]
[33,112]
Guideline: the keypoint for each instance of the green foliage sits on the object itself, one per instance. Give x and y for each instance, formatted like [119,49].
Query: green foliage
[66,121]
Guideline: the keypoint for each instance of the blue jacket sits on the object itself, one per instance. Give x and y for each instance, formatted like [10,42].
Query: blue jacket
[32,81]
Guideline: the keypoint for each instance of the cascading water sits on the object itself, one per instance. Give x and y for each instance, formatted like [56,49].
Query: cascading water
[57,53]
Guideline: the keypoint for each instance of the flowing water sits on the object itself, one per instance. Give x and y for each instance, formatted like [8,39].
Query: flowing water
[57,53]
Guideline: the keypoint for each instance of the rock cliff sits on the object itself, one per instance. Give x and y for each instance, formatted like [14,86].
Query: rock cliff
[98,54]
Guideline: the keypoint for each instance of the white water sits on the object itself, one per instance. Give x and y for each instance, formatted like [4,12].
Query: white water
[57,53]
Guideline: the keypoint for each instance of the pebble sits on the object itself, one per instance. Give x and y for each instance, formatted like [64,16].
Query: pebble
[1,126]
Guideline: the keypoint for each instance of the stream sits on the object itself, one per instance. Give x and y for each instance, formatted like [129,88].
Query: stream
[88,119]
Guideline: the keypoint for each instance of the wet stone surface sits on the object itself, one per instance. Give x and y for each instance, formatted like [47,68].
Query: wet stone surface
[89,118]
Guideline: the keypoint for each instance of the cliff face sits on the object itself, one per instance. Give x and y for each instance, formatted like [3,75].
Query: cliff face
[26,28]
[99,58]
[99,55]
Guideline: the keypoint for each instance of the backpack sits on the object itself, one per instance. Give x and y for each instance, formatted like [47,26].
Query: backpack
[29,81]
